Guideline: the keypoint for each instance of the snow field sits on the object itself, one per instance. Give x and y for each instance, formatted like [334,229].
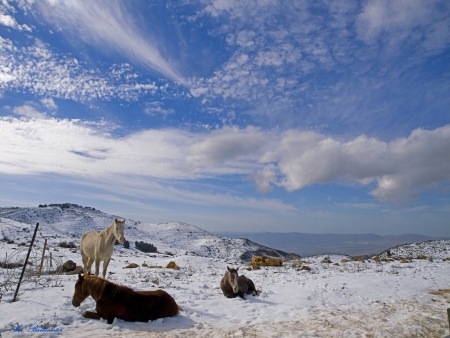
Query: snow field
[353,299]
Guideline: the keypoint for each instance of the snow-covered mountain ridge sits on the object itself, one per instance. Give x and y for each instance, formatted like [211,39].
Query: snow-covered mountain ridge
[69,222]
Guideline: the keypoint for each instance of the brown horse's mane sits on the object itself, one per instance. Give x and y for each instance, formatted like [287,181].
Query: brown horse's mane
[96,286]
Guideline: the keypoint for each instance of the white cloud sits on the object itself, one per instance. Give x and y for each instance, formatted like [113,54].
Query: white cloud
[265,178]
[148,164]
[28,111]
[168,190]
[401,168]
[421,21]
[385,16]
[238,148]
[72,147]
[4,77]
[9,21]
[39,71]
[268,51]
[49,103]
[110,24]
[320,38]
[157,108]
[358,205]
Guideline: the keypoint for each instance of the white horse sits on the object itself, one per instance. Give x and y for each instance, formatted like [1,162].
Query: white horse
[99,246]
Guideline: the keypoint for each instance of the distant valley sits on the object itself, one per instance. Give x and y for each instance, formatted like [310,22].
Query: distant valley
[307,244]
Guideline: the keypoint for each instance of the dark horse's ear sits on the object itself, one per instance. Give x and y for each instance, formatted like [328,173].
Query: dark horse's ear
[116,220]
[80,276]
[228,269]
[237,269]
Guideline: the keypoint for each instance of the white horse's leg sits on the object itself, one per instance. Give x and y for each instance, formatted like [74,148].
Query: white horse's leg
[105,266]
[97,266]
[85,260]
[89,265]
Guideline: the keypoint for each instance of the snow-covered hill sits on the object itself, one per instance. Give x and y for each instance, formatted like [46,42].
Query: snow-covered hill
[431,249]
[69,222]
[334,297]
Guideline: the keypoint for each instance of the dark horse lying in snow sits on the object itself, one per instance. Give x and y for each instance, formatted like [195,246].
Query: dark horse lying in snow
[113,300]
[233,285]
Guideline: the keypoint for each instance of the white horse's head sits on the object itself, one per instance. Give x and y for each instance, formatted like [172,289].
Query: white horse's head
[119,230]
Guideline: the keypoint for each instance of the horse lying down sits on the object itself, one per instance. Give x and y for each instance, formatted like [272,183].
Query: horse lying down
[233,285]
[114,300]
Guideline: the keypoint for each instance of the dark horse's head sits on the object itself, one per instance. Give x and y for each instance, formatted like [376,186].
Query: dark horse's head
[80,293]
[232,277]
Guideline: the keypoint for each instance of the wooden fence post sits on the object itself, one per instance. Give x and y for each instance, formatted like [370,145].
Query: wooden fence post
[42,259]
[448,317]
[26,262]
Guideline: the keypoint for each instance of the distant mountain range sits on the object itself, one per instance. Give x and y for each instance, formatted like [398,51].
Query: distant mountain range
[306,244]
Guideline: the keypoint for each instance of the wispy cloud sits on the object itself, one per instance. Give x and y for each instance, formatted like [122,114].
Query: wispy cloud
[9,21]
[358,205]
[157,108]
[49,103]
[109,24]
[28,111]
[421,22]
[79,148]
[39,71]
[141,188]
[322,64]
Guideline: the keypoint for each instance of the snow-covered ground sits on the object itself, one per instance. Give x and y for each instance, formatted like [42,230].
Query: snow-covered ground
[338,299]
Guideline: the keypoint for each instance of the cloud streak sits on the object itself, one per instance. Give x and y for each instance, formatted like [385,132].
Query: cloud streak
[109,24]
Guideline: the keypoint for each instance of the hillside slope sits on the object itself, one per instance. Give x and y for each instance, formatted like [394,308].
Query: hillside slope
[68,223]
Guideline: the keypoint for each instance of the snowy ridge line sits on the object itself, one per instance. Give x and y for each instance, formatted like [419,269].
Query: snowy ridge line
[429,248]
[70,222]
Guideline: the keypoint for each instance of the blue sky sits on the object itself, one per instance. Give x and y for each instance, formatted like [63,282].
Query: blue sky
[232,115]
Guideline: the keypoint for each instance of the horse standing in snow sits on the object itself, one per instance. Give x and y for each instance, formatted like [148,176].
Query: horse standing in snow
[99,246]
[233,285]
[117,301]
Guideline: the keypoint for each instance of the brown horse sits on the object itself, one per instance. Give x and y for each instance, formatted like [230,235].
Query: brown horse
[233,285]
[114,300]
[99,246]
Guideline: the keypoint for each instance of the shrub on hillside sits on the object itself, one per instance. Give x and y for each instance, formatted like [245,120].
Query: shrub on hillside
[126,244]
[266,261]
[69,245]
[145,247]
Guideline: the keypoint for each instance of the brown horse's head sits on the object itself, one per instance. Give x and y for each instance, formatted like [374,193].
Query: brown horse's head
[119,230]
[232,276]
[80,293]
